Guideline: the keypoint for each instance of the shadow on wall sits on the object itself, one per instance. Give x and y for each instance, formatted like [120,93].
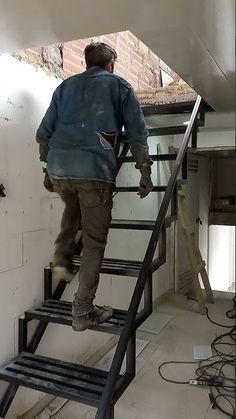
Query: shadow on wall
[27,233]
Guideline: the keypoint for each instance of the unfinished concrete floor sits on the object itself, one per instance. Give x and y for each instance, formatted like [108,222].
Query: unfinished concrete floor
[149,397]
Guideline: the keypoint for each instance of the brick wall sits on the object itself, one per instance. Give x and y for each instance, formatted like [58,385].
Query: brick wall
[136,62]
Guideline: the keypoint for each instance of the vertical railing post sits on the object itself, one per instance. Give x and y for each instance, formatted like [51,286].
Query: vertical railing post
[194,135]
[174,201]
[202,113]
[47,284]
[185,167]
[148,294]
[22,334]
[131,356]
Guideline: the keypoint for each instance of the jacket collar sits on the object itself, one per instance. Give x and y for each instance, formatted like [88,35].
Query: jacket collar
[94,71]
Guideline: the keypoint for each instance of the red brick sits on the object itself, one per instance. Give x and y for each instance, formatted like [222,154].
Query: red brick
[77,48]
[124,47]
[136,55]
[136,62]
[80,41]
[121,74]
[134,70]
[108,39]
[122,36]
[120,68]
[71,56]
[143,48]
[132,79]
[112,36]
[123,56]
[68,66]
[133,40]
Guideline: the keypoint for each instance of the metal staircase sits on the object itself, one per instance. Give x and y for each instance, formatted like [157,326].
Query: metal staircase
[81,383]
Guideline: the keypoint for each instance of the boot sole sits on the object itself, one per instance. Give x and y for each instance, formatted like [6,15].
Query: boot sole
[88,324]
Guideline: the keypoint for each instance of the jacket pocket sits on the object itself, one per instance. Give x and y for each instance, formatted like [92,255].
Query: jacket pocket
[108,140]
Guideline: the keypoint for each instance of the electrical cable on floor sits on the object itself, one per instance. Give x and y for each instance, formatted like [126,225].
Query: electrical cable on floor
[216,323]
[174,362]
[213,372]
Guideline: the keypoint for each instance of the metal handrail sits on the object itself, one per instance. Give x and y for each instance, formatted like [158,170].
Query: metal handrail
[143,275]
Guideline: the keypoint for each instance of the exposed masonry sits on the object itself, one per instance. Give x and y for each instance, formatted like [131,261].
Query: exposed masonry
[174,93]
[136,63]
[49,58]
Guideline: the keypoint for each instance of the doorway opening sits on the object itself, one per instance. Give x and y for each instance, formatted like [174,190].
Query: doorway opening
[222,257]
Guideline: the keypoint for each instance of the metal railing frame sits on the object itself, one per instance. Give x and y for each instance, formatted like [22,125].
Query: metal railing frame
[130,322]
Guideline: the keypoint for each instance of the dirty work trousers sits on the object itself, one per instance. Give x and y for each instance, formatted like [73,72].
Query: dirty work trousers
[88,207]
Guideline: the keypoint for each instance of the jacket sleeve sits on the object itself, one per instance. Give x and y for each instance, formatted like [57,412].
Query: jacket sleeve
[47,128]
[135,126]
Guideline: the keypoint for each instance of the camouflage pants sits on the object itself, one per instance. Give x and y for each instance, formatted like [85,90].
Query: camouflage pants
[88,207]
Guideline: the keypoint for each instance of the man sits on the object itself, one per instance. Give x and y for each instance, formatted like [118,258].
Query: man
[79,139]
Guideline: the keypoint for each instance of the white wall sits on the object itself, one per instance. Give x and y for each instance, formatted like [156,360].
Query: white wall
[25,241]
[212,138]
[30,217]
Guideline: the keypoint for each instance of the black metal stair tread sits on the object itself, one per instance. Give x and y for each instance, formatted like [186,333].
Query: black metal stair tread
[132,224]
[71,381]
[168,108]
[115,266]
[172,108]
[60,312]
[155,189]
[171,130]
[154,157]
[136,189]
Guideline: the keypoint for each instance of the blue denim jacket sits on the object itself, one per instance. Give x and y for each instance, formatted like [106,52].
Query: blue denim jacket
[79,135]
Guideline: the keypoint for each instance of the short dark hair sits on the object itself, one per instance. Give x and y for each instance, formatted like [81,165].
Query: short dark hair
[99,54]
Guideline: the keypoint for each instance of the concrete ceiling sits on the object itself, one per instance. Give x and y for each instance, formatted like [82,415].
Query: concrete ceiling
[195,38]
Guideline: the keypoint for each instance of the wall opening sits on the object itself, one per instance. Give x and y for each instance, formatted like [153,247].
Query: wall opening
[222,257]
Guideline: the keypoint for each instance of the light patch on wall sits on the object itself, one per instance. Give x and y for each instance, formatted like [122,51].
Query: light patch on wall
[166,79]
[222,257]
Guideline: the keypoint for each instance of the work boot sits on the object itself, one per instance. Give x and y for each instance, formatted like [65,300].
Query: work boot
[62,273]
[98,315]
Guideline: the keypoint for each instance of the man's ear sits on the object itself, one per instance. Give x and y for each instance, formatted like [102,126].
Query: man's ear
[110,66]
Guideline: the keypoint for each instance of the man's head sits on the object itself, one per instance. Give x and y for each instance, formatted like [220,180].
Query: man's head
[100,55]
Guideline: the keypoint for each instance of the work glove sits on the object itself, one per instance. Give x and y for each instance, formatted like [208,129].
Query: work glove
[47,183]
[145,184]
